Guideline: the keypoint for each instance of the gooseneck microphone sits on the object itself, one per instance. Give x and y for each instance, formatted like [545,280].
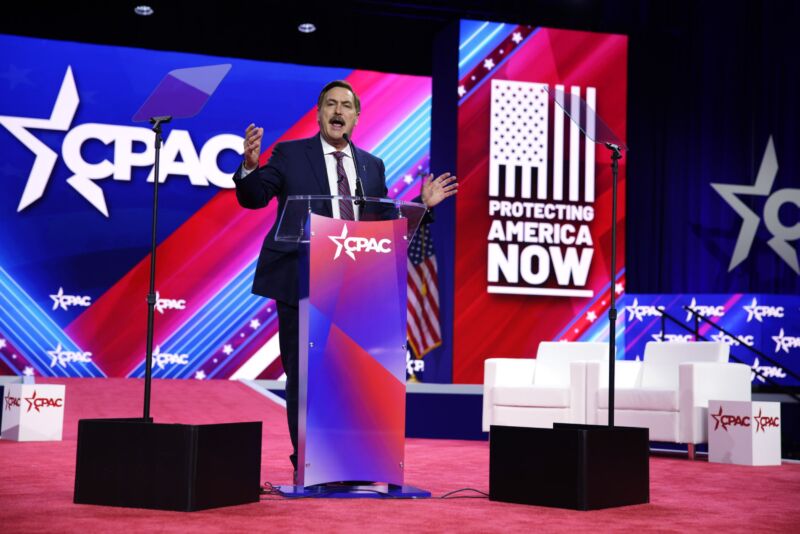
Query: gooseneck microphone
[359,185]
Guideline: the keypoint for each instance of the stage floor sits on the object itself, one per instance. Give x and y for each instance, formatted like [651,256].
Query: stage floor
[36,481]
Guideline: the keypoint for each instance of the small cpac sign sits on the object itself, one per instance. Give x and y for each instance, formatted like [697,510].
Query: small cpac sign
[33,412]
[744,432]
[353,244]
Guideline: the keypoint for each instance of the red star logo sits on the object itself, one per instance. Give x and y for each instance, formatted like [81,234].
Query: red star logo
[718,418]
[31,401]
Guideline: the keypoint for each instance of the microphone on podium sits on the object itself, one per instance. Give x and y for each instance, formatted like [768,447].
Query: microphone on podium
[359,185]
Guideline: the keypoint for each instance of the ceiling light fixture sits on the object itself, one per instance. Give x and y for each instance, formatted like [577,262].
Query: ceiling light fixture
[144,11]
[306,27]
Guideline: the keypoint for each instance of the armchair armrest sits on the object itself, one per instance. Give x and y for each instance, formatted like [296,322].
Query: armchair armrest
[505,372]
[699,382]
[577,390]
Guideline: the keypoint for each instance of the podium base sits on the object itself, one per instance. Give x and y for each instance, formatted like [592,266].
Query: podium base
[581,467]
[368,491]
[138,464]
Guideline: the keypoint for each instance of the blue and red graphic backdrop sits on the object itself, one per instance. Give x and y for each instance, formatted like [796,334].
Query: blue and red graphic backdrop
[533,213]
[770,324]
[74,251]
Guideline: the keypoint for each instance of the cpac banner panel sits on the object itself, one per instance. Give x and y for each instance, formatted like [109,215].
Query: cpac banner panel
[77,204]
[534,205]
[763,331]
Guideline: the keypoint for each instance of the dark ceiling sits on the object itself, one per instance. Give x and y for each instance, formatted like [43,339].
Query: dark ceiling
[368,34]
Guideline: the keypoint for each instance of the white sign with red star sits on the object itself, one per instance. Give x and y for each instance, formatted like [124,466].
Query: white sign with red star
[33,412]
[744,432]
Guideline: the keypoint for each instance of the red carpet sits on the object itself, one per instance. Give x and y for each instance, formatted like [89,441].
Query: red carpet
[36,481]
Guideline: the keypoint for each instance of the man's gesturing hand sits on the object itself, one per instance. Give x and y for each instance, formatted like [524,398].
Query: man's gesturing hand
[434,191]
[252,146]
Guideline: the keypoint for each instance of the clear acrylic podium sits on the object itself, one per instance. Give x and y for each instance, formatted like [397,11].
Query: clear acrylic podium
[352,343]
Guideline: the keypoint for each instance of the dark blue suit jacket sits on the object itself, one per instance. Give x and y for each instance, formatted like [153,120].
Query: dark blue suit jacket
[295,168]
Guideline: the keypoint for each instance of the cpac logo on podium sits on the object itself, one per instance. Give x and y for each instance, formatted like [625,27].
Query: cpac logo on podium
[353,244]
[178,155]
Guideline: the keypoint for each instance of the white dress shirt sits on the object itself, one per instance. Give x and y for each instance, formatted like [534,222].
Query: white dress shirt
[333,178]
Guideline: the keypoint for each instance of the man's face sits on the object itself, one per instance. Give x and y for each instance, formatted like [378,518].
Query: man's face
[337,116]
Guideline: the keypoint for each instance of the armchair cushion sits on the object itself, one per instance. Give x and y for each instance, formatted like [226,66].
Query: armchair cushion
[661,360]
[553,359]
[532,396]
[641,399]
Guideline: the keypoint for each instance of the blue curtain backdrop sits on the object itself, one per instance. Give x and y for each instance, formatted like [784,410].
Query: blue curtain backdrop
[707,91]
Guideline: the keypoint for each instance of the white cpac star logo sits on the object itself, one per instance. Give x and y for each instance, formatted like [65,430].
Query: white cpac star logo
[351,245]
[640,312]
[169,304]
[762,372]
[339,242]
[754,311]
[722,337]
[162,359]
[179,155]
[60,300]
[62,357]
[60,120]
[672,338]
[781,235]
[704,310]
[784,342]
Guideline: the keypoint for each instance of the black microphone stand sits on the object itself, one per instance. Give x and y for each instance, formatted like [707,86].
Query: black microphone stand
[359,186]
[616,155]
[151,295]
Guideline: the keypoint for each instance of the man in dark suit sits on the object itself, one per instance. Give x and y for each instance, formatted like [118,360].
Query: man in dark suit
[321,165]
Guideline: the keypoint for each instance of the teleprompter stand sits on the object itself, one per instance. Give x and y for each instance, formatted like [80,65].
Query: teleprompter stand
[582,467]
[136,462]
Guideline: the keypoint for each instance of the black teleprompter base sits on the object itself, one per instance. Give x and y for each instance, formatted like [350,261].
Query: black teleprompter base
[139,464]
[581,467]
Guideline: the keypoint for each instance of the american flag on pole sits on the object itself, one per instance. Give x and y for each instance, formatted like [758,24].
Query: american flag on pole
[424,333]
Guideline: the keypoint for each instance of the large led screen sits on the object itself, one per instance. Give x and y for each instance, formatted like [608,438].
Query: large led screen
[533,213]
[77,205]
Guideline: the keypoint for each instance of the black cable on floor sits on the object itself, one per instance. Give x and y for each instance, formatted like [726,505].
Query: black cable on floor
[482,495]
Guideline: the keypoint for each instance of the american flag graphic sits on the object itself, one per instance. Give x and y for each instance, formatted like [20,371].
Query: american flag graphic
[424,333]
[521,145]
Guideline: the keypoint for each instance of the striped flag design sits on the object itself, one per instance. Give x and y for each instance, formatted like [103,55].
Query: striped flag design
[424,333]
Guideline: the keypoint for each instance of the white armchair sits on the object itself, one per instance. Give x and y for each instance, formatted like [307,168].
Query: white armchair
[542,391]
[668,391]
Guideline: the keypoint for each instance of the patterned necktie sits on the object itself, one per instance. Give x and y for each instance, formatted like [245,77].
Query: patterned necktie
[345,206]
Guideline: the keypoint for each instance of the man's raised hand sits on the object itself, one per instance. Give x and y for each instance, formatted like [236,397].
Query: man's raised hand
[436,190]
[252,146]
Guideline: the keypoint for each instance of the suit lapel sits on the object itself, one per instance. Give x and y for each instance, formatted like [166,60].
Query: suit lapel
[362,171]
